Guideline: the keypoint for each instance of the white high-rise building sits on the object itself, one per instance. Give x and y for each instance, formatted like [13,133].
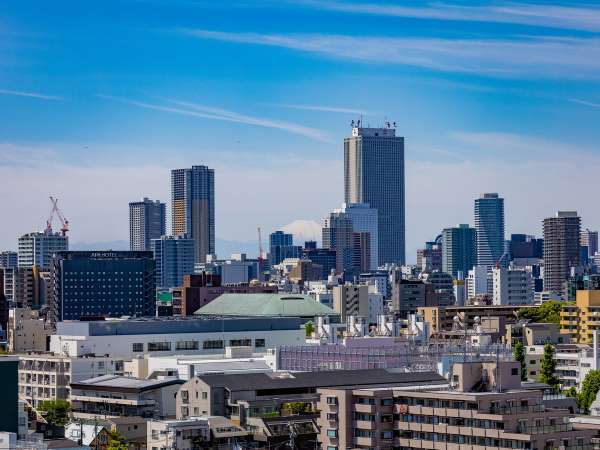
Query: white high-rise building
[37,249]
[512,286]
[147,221]
[365,220]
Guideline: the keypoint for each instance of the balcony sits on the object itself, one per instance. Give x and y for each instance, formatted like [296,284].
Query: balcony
[364,408]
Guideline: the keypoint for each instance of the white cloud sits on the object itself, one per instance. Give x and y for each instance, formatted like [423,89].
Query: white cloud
[535,57]
[585,103]
[29,94]
[210,112]
[321,108]
[546,15]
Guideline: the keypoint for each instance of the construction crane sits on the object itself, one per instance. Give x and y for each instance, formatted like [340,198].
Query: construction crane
[64,222]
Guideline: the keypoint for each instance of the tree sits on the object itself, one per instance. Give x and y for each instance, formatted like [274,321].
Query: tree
[571,392]
[548,366]
[309,328]
[589,390]
[297,407]
[116,441]
[519,354]
[548,312]
[55,411]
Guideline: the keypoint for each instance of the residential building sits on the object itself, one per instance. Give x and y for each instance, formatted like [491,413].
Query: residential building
[245,397]
[111,284]
[193,207]
[351,300]
[561,248]
[265,305]
[582,318]
[479,282]
[281,246]
[380,280]
[429,258]
[589,239]
[443,286]
[374,174]
[27,332]
[487,407]
[27,287]
[410,294]
[8,259]
[459,249]
[165,336]
[489,226]
[147,221]
[365,220]
[174,257]
[512,286]
[46,376]
[179,434]
[128,397]
[37,249]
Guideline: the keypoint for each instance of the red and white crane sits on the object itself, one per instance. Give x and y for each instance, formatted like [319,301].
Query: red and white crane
[64,222]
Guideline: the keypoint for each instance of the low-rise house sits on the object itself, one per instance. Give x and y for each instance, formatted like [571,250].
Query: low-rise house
[116,396]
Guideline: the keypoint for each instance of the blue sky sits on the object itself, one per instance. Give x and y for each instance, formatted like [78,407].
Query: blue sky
[98,100]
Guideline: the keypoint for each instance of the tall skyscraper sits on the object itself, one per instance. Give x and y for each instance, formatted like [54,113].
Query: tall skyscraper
[459,250]
[489,224]
[147,221]
[281,246]
[365,220]
[338,235]
[589,239]
[37,249]
[193,207]
[562,235]
[374,174]
[174,256]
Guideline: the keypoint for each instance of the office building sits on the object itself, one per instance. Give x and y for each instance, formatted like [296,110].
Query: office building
[489,225]
[429,258]
[351,300]
[409,295]
[147,221]
[37,249]
[338,235]
[111,284]
[174,257]
[443,286]
[459,249]
[589,239]
[512,286]
[374,174]
[526,247]
[193,207]
[281,246]
[8,259]
[128,338]
[561,248]
[365,220]
[323,257]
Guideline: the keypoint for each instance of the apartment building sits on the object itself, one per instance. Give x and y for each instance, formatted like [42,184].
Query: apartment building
[582,318]
[47,376]
[26,331]
[485,408]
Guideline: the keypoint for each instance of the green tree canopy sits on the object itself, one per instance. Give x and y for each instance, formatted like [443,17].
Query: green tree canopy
[548,366]
[55,411]
[548,312]
[309,328]
[589,390]
[519,354]
[116,441]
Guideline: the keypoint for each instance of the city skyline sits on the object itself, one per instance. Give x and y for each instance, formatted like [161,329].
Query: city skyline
[99,122]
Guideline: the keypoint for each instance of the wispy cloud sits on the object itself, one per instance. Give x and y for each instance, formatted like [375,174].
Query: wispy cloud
[585,102]
[534,57]
[584,18]
[209,112]
[332,109]
[29,94]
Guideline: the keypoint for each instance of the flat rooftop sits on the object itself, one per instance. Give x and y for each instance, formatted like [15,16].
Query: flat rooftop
[124,384]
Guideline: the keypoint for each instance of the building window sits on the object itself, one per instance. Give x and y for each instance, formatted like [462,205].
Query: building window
[259,343]
[138,347]
[240,343]
[186,345]
[332,433]
[159,346]
[332,400]
[209,345]
[514,371]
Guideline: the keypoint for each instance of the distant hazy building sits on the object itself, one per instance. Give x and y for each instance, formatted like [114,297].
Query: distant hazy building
[37,249]
[459,249]
[489,224]
[112,283]
[374,174]
[562,235]
[429,258]
[8,259]
[523,246]
[365,220]
[174,256]
[512,286]
[589,239]
[193,207]
[323,257]
[147,221]
[338,236]
[281,246]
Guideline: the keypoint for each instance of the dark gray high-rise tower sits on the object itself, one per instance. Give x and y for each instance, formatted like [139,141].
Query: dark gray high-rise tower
[193,207]
[147,221]
[489,224]
[562,235]
[374,174]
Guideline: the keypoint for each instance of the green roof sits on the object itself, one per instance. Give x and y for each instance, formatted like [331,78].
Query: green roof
[289,305]
[164,297]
